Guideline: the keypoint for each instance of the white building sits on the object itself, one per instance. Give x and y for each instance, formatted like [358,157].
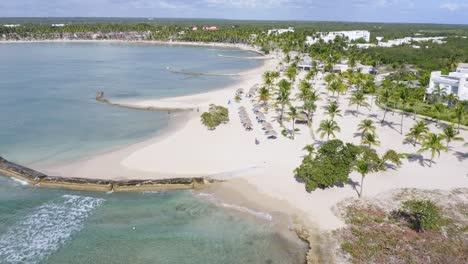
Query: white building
[58,25]
[280,31]
[454,82]
[408,40]
[330,36]
[12,25]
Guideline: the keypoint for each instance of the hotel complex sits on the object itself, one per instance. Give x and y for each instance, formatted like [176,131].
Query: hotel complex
[330,36]
[454,82]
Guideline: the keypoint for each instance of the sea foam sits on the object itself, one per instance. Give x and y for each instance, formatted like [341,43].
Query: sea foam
[45,229]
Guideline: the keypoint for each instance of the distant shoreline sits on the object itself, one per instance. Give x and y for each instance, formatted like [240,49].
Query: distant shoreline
[244,47]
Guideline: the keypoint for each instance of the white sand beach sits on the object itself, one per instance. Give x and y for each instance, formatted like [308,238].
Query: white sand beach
[188,149]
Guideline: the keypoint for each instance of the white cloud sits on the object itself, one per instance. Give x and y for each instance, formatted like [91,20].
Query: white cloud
[454,6]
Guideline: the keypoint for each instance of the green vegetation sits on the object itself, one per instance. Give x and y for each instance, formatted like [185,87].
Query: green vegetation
[330,166]
[433,143]
[422,215]
[374,235]
[215,116]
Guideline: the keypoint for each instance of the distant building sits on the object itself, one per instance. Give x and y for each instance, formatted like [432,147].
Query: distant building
[12,25]
[330,36]
[305,64]
[58,25]
[453,83]
[194,28]
[408,40]
[280,31]
[211,28]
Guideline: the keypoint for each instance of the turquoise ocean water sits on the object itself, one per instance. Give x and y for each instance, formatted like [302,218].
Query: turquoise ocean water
[48,114]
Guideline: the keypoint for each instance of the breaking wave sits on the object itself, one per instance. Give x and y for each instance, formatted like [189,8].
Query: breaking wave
[44,230]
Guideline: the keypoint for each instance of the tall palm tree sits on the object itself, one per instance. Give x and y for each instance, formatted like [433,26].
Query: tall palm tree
[305,88]
[358,99]
[433,143]
[308,109]
[370,139]
[283,95]
[310,150]
[369,161]
[439,108]
[268,79]
[293,115]
[404,97]
[451,134]
[291,73]
[328,127]
[452,99]
[417,132]
[366,126]
[460,113]
[439,93]
[333,110]
[362,167]
[385,97]
[264,94]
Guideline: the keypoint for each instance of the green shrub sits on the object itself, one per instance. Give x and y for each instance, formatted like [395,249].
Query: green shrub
[215,116]
[422,215]
[329,167]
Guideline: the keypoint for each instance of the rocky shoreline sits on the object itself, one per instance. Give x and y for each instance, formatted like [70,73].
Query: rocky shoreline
[39,179]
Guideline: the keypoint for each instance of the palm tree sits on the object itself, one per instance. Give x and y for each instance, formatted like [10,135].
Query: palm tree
[328,127]
[371,162]
[268,79]
[305,89]
[291,73]
[283,95]
[308,109]
[404,97]
[460,113]
[370,139]
[433,143]
[310,150]
[439,93]
[264,94]
[366,126]
[417,132]
[385,97]
[439,108]
[358,99]
[451,99]
[362,167]
[333,110]
[293,115]
[450,134]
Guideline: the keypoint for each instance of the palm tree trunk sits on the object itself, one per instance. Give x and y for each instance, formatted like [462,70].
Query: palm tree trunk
[362,183]
[401,127]
[385,113]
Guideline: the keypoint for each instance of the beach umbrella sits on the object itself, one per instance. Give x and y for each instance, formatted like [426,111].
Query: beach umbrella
[261,116]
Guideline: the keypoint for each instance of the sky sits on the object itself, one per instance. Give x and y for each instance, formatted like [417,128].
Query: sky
[411,11]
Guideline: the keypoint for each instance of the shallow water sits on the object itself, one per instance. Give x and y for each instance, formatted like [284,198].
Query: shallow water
[57,226]
[48,114]
[47,91]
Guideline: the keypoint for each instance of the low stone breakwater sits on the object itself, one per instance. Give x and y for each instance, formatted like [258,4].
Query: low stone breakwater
[100,98]
[39,179]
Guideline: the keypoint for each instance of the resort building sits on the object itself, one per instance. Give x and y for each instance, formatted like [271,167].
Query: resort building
[330,36]
[280,31]
[58,25]
[409,40]
[12,25]
[453,83]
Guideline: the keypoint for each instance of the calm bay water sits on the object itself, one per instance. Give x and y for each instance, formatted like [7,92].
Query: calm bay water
[48,114]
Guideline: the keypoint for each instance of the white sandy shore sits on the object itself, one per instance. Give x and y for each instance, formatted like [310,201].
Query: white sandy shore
[229,152]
